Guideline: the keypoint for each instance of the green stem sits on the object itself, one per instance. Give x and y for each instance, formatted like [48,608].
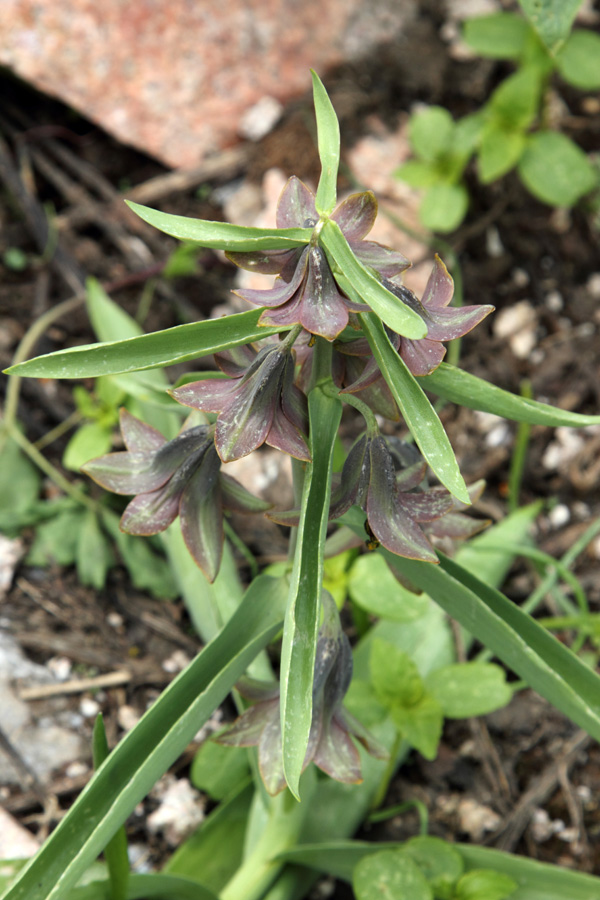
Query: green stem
[55,433]
[382,815]
[366,412]
[517,463]
[390,768]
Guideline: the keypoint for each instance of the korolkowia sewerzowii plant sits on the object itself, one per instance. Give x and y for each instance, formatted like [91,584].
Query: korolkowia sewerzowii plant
[337,327]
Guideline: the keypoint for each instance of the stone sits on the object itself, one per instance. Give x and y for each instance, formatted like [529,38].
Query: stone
[174,79]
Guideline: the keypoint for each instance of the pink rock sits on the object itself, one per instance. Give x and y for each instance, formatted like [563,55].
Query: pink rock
[174,77]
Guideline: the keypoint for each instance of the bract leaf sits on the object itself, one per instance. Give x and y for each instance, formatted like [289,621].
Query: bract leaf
[302,616]
[149,351]
[328,132]
[468,390]
[418,413]
[222,235]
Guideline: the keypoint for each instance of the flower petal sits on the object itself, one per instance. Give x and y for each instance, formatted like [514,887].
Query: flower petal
[270,754]
[210,395]
[236,360]
[422,357]
[427,505]
[337,756]
[453,322]
[347,493]
[356,215]
[296,206]
[238,499]
[362,734]
[257,690]
[139,437]
[126,473]
[247,728]
[282,290]
[201,515]
[440,286]
[152,512]
[389,263]
[323,310]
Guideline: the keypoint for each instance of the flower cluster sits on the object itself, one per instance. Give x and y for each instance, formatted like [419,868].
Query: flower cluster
[330,744]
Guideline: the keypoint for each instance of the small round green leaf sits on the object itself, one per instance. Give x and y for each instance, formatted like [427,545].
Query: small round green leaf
[389,875]
[499,36]
[579,60]
[485,884]
[500,150]
[469,689]
[444,207]
[373,587]
[439,862]
[555,169]
[430,132]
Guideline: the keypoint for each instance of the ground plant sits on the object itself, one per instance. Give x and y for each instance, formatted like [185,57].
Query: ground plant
[514,128]
[381,529]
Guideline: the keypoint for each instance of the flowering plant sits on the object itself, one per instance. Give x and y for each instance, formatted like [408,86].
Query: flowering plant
[337,327]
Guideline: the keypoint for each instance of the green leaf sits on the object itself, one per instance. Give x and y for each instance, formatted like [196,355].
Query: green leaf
[215,851]
[497,36]
[555,170]
[151,747]
[421,724]
[148,351]
[373,587]
[552,19]
[444,206]
[430,133]
[361,285]
[499,151]
[328,132]
[416,409]
[146,887]
[389,875]
[517,639]
[515,102]
[55,541]
[148,570]
[222,235]
[468,390]
[485,884]
[219,771]
[469,689]
[115,851]
[439,862]
[578,61]
[394,676]
[93,554]
[302,616]
[91,440]
[418,173]
[19,482]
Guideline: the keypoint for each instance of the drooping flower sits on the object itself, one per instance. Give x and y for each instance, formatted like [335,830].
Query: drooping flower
[258,403]
[306,293]
[180,477]
[444,323]
[330,744]
[394,502]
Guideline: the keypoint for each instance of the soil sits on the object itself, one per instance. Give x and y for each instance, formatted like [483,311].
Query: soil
[522,779]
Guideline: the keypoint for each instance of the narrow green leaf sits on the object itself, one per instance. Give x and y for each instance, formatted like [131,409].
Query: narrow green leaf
[416,409]
[222,235]
[155,886]
[151,747]
[579,60]
[115,851]
[302,616]
[552,19]
[515,102]
[361,285]
[498,36]
[328,133]
[148,351]
[499,151]
[541,660]
[555,169]
[468,390]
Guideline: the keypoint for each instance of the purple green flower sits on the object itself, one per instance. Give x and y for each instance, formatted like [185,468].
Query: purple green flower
[330,744]
[305,292]
[180,477]
[395,501]
[258,403]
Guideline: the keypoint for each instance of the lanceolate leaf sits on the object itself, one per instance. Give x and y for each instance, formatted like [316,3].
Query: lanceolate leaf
[151,747]
[148,351]
[416,409]
[144,887]
[361,285]
[302,617]
[552,19]
[537,881]
[222,235]
[460,387]
[328,131]
[540,659]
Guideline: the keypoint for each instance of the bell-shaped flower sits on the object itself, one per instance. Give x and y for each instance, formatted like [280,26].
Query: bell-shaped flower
[180,477]
[258,403]
[394,501]
[306,293]
[330,744]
